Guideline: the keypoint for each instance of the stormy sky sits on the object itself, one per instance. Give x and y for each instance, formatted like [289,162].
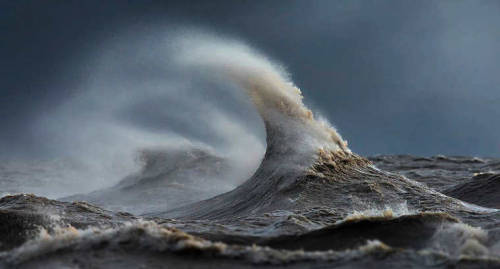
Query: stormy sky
[394,77]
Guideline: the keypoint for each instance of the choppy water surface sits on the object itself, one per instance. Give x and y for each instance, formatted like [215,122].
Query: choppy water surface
[311,202]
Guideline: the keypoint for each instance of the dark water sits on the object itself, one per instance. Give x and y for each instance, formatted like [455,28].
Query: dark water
[347,214]
[312,203]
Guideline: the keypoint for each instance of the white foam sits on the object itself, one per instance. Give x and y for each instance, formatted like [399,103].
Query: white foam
[461,240]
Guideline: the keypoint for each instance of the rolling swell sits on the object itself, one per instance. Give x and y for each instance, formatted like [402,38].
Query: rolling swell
[482,189]
[409,231]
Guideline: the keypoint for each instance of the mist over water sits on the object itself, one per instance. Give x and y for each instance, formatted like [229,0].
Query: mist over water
[140,94]
[210,142]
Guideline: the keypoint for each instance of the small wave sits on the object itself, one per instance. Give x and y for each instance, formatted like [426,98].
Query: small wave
[483,190]
[168,178]
[149,239]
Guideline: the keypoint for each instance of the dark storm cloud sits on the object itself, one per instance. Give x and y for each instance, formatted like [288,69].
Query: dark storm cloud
[415,77]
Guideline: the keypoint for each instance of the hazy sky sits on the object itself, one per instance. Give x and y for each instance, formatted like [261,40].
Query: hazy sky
[395,77]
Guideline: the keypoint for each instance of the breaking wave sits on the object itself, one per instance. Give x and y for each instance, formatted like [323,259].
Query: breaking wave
[309,199]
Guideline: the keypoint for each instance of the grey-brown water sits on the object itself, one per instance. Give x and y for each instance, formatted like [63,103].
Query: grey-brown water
[439,231]
[312,202]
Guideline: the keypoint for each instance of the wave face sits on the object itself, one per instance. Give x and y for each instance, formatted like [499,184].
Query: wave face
[311,202]
[307,163]
[481,190]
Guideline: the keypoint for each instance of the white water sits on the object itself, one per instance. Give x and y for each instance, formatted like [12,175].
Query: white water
[174,90]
